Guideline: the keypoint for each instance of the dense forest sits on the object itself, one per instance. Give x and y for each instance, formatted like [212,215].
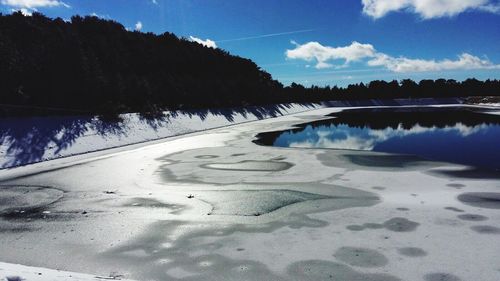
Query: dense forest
[91,65]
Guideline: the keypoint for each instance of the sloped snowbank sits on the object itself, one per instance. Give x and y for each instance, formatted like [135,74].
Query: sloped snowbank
[489,104]
[16,272]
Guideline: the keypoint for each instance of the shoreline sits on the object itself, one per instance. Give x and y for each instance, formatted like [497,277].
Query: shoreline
[32,140]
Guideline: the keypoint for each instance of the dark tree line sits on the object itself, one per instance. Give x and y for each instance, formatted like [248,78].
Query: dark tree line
[406,88]
[95,65]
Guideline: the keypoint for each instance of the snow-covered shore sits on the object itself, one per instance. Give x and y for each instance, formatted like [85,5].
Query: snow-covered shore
[17,272]
[30,140]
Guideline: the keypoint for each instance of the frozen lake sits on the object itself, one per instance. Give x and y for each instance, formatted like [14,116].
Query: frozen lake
[467,136]
[213,205]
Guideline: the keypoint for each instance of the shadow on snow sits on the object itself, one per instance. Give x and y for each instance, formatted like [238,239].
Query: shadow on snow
[27,140]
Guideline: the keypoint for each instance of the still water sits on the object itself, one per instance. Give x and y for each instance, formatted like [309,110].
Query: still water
[462,135]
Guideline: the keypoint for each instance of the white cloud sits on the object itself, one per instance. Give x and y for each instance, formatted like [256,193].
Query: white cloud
[207,43]
[492,8]
[427,9]
[94,14]
[24,11]
[33,4]
[27,7]
[138,26]
[314,51]
[324,56]
[403,65]
[154,2]
[379,8]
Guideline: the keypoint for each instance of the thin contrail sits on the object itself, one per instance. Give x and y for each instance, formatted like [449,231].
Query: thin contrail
[326,73]
[265,35]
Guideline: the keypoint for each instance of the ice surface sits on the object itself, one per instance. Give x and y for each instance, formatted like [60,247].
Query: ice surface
[26,198]
[143,214]
[254,202]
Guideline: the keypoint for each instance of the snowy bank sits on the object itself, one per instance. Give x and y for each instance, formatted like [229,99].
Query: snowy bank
[16,272]
[30,140]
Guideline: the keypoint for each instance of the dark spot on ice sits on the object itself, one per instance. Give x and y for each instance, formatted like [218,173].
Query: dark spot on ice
[206,156]
[469,173]
[382,161]
[454,209]
[373,225]
[14,278]
[280,158]
[254,202]
[361,257]
[116,276]
[441,277]
[412,252]
[39,214]
[28,202]
[472,217]
[402,209]
[456,185]
[240,249]
[313,270]
[401,225]
[487,200]
[355,227]
[378,188]
[14,228]
[365,226]
[250,166]
[238,154]
[486,229]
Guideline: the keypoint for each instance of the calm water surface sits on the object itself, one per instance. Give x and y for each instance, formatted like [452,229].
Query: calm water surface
[459,135]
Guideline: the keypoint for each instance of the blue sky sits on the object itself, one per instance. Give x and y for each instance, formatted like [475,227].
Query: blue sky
[320,41]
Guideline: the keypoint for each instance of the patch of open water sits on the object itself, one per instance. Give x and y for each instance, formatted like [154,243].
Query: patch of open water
[460,135]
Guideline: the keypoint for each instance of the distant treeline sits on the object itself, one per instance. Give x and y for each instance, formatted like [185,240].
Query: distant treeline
[405,88]
[95,65]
